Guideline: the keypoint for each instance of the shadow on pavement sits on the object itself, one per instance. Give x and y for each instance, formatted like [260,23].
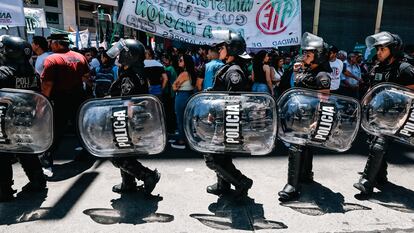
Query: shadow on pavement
[25,208]
[131,208]
[237,214]
[70,169]
[393,197]
[316,200]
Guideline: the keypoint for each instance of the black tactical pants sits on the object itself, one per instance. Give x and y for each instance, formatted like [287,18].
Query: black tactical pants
[31,166]
[376,167]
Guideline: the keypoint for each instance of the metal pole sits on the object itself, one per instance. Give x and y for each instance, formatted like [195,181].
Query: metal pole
[98,27]
[121,27]
[316,17]
[379,16]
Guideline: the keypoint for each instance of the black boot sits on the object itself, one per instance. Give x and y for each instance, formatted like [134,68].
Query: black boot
[6,192]
[128,184]
[290,191]
[243,187]
[224,168]
[374,163]
[219,188]
[32,168]
[137,170]
[306,174]
[150,181]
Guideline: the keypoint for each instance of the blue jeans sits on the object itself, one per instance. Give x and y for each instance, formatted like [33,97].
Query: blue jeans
[155,90]
[260,87]
[180,103]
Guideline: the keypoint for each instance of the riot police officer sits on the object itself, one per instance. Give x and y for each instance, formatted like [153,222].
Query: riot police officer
[311,71]
[16,72]
[231,77]
[131,81]
[390,67]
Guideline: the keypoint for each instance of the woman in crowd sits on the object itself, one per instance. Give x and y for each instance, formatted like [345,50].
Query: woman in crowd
[184,88]
[276,67]
[261,76]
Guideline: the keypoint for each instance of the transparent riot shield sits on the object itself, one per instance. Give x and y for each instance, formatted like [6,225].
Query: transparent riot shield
[231,123]
[118,127]
[26,122]
[310,118]
[387,110]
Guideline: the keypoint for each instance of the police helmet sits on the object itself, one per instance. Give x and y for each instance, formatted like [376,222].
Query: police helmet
[235,43]
[392,41]
[317,45]
[130,51]
[14,49]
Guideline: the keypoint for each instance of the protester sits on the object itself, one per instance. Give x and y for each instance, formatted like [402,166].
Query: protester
[41,48]
[261,76]
[184,87]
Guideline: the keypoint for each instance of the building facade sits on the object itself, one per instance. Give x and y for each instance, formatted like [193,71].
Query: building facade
[63,14]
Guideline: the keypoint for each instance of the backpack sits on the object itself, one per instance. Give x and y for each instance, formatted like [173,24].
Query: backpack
[104,78]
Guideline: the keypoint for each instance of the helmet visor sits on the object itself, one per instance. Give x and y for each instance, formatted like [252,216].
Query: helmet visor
[382,38]
[117,48]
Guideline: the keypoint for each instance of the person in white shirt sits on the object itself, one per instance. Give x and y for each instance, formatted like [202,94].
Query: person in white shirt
[41,48]
[337,67]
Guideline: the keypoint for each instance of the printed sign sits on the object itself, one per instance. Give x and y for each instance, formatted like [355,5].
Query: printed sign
[11,13]
[262,23]
[232,124]
[407,128]
[327,116]
[3,135]
[120,127]
[35,18]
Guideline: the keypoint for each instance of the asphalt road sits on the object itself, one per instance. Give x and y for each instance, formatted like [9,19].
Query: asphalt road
[79,197]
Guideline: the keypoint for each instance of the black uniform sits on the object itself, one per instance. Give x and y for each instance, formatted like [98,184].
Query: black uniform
[301,157]
[19,76]
[375,172]
[229,78]
[132,82]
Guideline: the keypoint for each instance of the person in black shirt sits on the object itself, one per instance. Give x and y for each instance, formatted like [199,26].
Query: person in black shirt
[312,72]
[391,67]
[231,77]
[16,72]
[131,81]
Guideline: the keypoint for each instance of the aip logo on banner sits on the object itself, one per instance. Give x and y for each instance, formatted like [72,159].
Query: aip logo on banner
[276,15]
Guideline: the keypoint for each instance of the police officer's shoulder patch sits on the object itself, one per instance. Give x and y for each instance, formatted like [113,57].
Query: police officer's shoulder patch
[234,76]
[324,79]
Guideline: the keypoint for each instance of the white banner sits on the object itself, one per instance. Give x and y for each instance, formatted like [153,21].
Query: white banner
[35,18]
[80,39]
[263,23]
[11,13]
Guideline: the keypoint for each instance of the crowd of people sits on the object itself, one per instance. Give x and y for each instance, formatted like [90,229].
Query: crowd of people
[68,77]
[175,74]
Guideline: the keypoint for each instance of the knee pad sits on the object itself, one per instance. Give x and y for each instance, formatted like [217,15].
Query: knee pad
[378,146]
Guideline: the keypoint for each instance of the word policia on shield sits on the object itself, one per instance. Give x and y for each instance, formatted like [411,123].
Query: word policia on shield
[270,23]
